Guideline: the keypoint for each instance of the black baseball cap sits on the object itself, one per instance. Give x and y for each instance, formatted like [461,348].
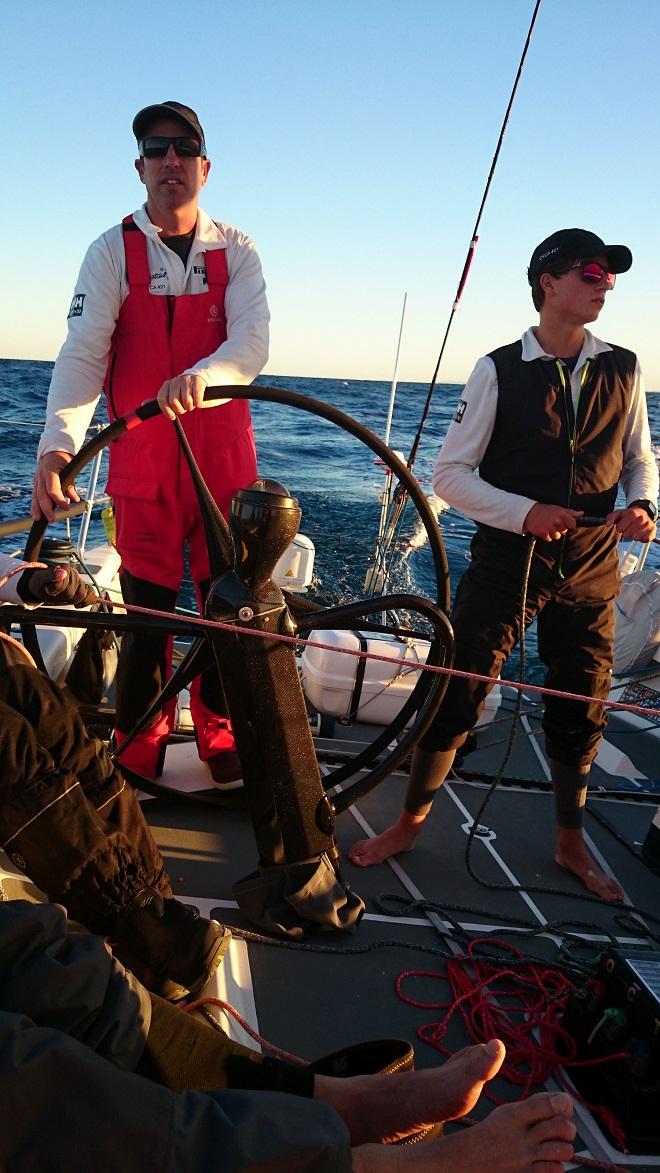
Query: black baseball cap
[144,118]
[575,244]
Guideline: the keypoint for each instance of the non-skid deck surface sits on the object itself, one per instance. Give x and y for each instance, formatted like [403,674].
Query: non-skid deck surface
[312,1002]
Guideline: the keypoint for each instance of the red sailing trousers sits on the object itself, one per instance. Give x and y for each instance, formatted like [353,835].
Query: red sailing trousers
[156,338]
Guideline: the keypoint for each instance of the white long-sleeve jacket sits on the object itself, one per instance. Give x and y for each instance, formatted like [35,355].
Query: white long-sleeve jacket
[455,478]
[102,287]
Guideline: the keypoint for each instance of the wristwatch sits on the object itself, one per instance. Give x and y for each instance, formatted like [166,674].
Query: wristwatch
[648,506]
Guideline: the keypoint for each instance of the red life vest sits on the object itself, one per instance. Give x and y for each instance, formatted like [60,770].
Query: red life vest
[157,337]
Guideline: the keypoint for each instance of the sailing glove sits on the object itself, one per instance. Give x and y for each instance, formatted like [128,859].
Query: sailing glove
[59,585]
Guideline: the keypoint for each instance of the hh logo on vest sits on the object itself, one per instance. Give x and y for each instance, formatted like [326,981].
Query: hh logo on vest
[214,313]
[76,305]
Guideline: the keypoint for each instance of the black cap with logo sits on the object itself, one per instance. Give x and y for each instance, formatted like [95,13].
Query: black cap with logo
[576,244]
[144,118]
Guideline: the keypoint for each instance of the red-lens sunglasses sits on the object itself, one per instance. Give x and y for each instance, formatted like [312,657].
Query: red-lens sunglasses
[592,273]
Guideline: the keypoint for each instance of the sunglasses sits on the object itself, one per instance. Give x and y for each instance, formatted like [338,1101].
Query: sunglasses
[591,273]
[157,146]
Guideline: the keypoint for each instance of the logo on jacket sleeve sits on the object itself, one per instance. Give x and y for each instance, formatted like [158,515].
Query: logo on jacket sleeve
[77,303]
[460,411]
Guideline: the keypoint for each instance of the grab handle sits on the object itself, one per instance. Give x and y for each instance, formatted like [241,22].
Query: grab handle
[589,519]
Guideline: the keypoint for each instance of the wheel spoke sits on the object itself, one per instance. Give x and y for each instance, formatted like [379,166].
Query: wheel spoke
[218,538]
[421,705]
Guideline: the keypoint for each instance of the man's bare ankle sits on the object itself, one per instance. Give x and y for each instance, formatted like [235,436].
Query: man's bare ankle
[411,822]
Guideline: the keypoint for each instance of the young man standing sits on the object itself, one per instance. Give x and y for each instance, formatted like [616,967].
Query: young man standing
[546,429]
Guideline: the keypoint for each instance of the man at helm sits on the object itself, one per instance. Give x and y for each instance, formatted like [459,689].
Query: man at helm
[167,303]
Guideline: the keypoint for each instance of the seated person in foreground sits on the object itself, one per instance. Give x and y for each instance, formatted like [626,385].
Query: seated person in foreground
[70,821]
[128,1082]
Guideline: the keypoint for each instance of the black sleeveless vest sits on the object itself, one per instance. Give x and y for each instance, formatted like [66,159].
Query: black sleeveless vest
[538,449]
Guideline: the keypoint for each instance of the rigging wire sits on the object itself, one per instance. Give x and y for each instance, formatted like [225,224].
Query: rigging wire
[379,570]
[400,496]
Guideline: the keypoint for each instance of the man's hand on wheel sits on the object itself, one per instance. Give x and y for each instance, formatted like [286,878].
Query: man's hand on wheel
[47,492]
[182,394]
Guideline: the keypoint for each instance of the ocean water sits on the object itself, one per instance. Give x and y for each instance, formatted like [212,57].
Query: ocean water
[333,475]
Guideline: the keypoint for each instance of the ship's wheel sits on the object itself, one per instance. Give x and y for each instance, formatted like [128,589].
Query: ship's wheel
[394,743]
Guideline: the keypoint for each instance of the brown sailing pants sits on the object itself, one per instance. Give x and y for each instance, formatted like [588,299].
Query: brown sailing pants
[67,816]
[71,822]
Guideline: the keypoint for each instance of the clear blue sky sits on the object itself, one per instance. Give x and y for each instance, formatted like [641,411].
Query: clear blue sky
[351,139]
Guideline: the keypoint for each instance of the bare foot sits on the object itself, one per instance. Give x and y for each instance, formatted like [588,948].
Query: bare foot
[571,853]
[422,1098]
[401,836]
[534,1136]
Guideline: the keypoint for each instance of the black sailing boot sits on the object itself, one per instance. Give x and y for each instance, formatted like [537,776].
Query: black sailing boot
[169,947]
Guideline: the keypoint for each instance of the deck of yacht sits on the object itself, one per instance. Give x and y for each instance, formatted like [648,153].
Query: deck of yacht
[335,988]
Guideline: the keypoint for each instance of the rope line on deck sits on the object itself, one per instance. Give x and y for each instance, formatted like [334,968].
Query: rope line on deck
[297,641]
[534,998]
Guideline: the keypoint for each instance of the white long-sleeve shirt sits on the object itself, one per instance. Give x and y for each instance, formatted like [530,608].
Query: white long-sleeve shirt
[101,289]
[455,478]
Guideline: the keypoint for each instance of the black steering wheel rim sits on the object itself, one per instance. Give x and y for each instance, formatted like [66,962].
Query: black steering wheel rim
[427,695]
